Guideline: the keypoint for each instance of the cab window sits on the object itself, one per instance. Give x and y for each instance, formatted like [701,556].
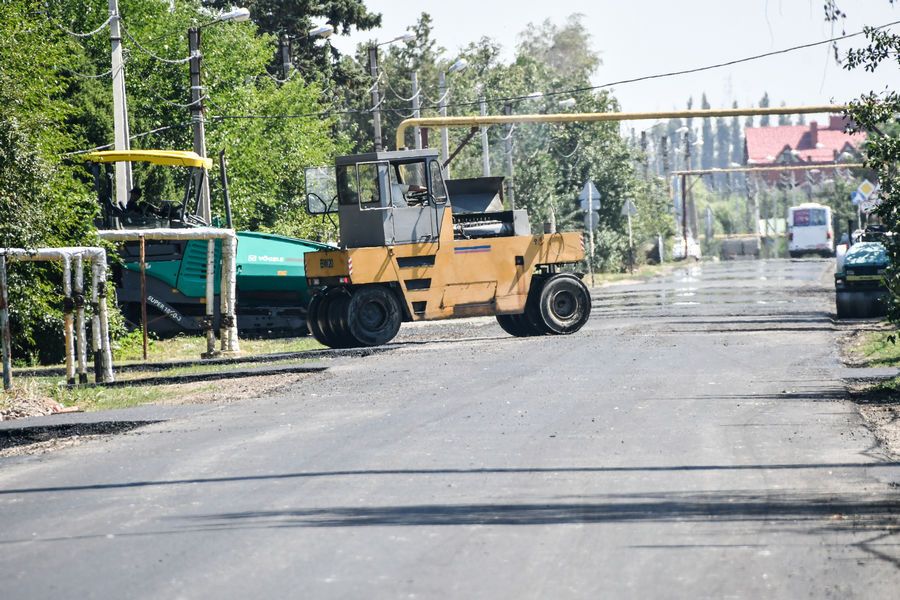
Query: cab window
[366,184]
[438,189]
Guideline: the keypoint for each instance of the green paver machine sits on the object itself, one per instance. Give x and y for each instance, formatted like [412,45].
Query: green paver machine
[272,292]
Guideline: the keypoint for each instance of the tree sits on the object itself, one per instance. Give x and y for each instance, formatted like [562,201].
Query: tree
[293,19]
[54,112]
[764,103]
[708,150]
[875,113]
[784,119]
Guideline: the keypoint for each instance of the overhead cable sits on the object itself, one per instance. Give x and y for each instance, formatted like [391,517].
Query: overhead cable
[80,35]
[170,61]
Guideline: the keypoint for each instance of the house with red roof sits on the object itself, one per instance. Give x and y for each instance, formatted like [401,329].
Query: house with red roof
[800,145]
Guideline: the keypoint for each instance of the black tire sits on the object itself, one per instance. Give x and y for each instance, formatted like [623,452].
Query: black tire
[564,304]
[312,319]
[850,305]
[336,320]
[532,315]
[373,315]
[517,325]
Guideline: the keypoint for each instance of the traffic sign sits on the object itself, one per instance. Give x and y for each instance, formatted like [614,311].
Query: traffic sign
[870,203]
[866,188]
[591,220]
[629,209]
[589,196]
[856,197]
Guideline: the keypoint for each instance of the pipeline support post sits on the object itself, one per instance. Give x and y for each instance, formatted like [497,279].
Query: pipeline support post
[5,337]
[78,285]
[72,260]
[229,252]
[210,299]
[228,333]
[144,297]
[68,320]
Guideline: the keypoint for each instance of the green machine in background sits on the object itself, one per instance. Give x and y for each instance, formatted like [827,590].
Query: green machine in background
[272,293]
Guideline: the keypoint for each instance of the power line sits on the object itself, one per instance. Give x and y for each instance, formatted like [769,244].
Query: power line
[170,61]
[75,33]
[675,73]
[581,89]
[331,113]
[133,137]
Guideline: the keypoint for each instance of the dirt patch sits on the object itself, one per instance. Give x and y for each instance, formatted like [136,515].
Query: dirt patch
[877,400]
[229,390]
[27,401]
[884,422]
[44,438]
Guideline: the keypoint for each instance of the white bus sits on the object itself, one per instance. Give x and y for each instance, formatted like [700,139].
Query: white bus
[810,230]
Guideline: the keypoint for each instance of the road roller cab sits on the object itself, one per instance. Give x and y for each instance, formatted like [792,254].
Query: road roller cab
[414,247]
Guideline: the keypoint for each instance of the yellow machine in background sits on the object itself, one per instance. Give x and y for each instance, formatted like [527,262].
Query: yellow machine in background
[417,248]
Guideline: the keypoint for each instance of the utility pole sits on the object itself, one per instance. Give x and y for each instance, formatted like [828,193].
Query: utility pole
[445,136]
[5,336]
[284,52]
[510,188]
[417,112]
[645,159]
[376,109]
[485,144]
[197,118]
[120,105]
[684,203]
[664,150]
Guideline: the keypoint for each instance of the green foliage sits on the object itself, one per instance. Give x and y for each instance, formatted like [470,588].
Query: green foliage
[293,19]
[65,105]
[875,114]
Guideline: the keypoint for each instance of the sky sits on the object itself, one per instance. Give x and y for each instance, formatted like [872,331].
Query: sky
[645,37]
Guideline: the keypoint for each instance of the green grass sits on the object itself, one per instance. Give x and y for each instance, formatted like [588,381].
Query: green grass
[200,369]
[191,347]
[103,398]
[875,349]
[40,390]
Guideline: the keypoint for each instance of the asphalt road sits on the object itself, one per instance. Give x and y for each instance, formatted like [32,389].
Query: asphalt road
[692,441]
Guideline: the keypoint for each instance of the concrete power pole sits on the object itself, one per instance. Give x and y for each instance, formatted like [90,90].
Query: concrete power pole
[417,112]
[284,53]
[197,118]
[376,110]
[120,105]
[510,188]
[485,144]
[445,136]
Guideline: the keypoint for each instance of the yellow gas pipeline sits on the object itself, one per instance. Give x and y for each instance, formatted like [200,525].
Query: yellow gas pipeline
[477,121]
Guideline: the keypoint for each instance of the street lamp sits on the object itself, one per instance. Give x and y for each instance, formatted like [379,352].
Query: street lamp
[321,32]
[373,69]
[235,15]
[444,92]
[567,103]
[284,48]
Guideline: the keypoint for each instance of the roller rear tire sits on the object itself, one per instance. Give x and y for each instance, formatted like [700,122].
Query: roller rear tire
[517,325]
[312,319]
[564,304]
[373,315]
[335,323]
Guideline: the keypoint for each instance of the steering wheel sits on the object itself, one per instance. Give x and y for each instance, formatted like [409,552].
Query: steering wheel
[419,194]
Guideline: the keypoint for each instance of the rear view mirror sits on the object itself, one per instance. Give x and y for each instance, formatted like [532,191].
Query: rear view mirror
[321,191]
